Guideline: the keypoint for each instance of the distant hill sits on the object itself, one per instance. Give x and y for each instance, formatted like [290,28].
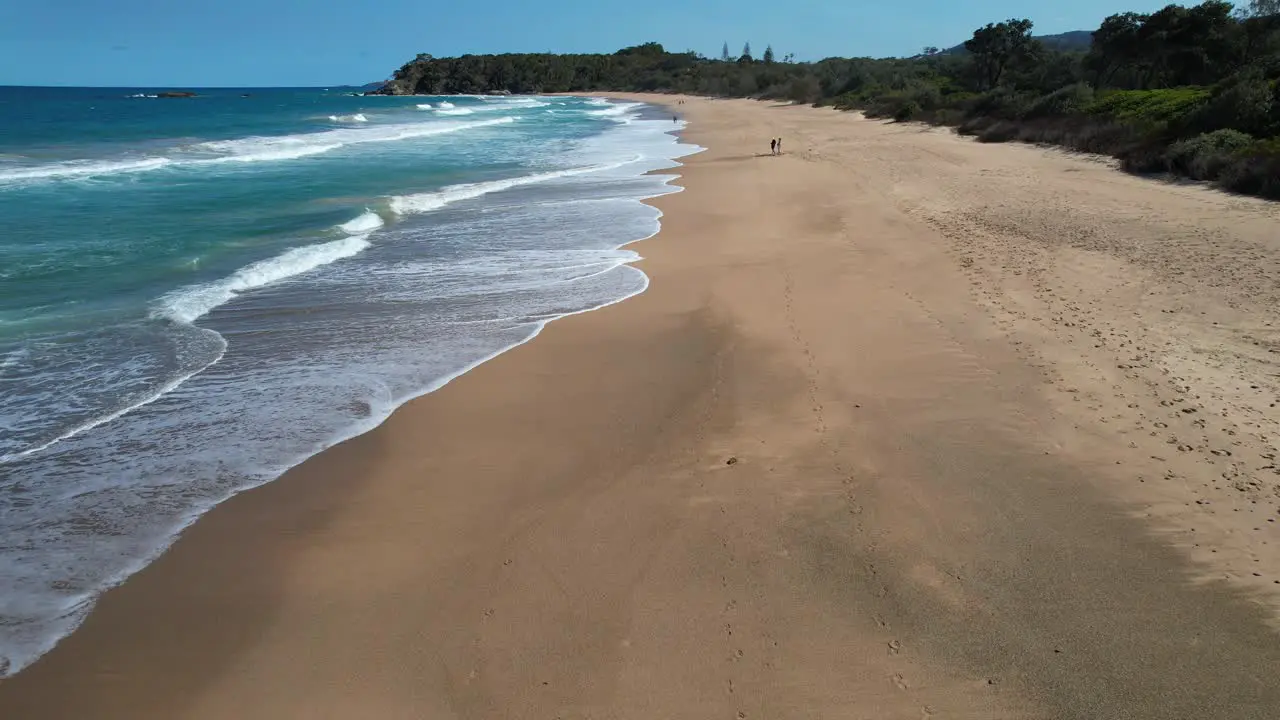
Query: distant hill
[360,88]
[1073,40]
[1068,41]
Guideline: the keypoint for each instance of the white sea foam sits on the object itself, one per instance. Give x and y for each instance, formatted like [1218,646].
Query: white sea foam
[614,112]
[80,169]
[431,201]
[268,151]
[356,118]
[105,418]
[366,223]
[444,105]
[244,150]
[252,149]
[190,303]
[529,105]
[424,106]
[492,107]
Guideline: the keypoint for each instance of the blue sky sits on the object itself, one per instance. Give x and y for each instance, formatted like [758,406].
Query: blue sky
[302,42]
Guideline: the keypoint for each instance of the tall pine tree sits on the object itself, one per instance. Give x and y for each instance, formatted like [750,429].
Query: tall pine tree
[724,54]
[768,54]
[746,52]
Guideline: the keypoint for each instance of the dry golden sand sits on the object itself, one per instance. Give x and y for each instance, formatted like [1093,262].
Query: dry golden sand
[905,427]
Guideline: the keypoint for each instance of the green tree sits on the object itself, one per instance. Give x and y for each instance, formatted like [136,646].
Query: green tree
[724,53]
[1187,46]
[998,46]
[1116,44]
[1259,9]
[768,54]
[746,53]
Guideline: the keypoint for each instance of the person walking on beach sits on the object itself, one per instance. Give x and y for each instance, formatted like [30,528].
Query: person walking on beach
[773,146]
[779,146]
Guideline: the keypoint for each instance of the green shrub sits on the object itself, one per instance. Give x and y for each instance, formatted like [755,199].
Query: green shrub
[962,101]
[1000,131]
[803,90]
[1254,172]
[1204,157]
[1151,107]
[1003,104]
[899,106]
[1069,100]
[847,101]
[975,125]
[1246,102]
[946,116]
[1106,137]
[927,97]
[1270,146]
[908,110]
[1145,158]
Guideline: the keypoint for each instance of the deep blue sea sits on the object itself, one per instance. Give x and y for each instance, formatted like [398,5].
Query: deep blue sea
[198,293]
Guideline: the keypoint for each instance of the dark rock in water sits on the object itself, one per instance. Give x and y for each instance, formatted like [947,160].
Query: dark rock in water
[245,95]
[175,94]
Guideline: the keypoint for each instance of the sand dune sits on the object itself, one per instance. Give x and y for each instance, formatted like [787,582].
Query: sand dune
[905,427]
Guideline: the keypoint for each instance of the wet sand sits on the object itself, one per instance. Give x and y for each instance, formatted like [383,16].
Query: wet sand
[905,427]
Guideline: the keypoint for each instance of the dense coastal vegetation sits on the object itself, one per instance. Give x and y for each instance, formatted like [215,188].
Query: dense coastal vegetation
[1188,90]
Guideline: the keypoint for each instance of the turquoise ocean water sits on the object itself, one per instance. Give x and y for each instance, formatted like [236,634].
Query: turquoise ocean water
[198,293]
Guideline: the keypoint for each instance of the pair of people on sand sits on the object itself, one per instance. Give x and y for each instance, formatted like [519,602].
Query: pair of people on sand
[775,146]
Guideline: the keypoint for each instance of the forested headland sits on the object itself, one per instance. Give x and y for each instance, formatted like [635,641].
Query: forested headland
[1188,90]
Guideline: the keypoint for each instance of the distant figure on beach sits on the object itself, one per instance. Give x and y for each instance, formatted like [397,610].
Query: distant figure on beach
[675,119]
[779,146]
[773,146]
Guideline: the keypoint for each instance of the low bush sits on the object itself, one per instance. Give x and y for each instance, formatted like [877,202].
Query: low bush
[1151,107]
[945,116]
[1254,171]
[1105,137]
[1246,102]
[1204,157]
[1144,159]
[1002,104]
[975,125]
[907,111]
[1070,100]
[1000,131]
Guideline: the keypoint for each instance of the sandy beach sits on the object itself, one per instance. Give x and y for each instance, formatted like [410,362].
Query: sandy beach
[905,426]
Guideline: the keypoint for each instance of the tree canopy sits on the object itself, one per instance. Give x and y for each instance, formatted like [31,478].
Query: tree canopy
[998,45]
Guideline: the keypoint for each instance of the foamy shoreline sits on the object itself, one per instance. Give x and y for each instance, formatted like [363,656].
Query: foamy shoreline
[192,304]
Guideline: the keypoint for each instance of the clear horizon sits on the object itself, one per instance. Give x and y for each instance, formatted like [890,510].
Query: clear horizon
[285,43]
